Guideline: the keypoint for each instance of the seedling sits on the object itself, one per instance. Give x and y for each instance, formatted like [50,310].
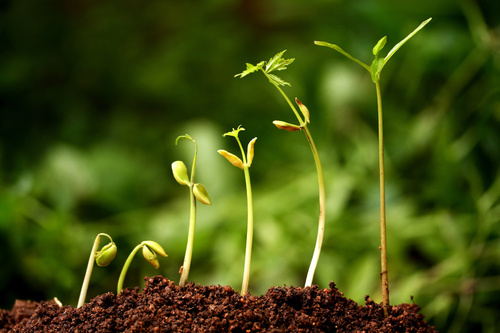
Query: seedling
[102,258]
[150,250]
[375,69]
[196,191]
[277,63]
[244,163]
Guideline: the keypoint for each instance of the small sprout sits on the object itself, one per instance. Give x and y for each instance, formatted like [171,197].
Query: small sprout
[244,165]
[180,173]
[375,69]
[286,126]
[196,192]
[235,132]
[102,258]
[59,303]
[150,249]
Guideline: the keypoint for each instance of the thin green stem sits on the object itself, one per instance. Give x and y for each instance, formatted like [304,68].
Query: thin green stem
[322,205]
[119,287]
[90,267]
[248,250]
[186,267]
[383,240]
[302,122]
[249,241]
[321,189]
[189,248]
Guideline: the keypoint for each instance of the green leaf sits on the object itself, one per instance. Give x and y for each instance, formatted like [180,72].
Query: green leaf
[401,43]
[180,173]
[250,69]
[106,255]
[277,80]
[375,69]
[277,63]
[234,132]
[380,45]
[201,194]
[340,50]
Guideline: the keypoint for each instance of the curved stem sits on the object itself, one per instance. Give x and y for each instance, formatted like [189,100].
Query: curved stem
[322,205]
[286,98]
[321,190]
[119,287]
[90,266]
[383,241]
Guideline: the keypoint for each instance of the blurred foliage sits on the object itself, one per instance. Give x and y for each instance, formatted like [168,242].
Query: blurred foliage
[93,95]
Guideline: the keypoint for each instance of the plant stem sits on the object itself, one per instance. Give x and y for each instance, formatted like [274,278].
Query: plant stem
[383,239]
[248,249]
[88,273]
[322,205]
[90,266]
[125,268]
[321,189]
[189,248]
[192,225]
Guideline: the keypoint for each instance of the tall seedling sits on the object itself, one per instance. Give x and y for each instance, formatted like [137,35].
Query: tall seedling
[277,63]
[375,69]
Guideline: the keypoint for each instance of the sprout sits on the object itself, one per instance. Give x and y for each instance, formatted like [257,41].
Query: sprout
[196,192]
[150,249]
[102,258]
[244,165]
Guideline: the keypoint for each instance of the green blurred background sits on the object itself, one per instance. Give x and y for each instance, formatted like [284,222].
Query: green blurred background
[94,93]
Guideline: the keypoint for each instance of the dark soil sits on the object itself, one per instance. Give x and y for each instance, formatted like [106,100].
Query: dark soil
[164,307]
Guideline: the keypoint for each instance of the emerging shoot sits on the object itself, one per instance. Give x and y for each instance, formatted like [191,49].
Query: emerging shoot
[375,69]
[277,63]
[244,163]
[196,191]
[150,249]
[102,258]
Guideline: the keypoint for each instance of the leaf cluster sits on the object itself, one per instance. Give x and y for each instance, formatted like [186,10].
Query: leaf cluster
[276,63]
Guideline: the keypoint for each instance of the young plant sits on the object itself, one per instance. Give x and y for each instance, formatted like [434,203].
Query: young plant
[277,63]
[149,250]
[375,69]
[196,191]
[244,163]
[102,258]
